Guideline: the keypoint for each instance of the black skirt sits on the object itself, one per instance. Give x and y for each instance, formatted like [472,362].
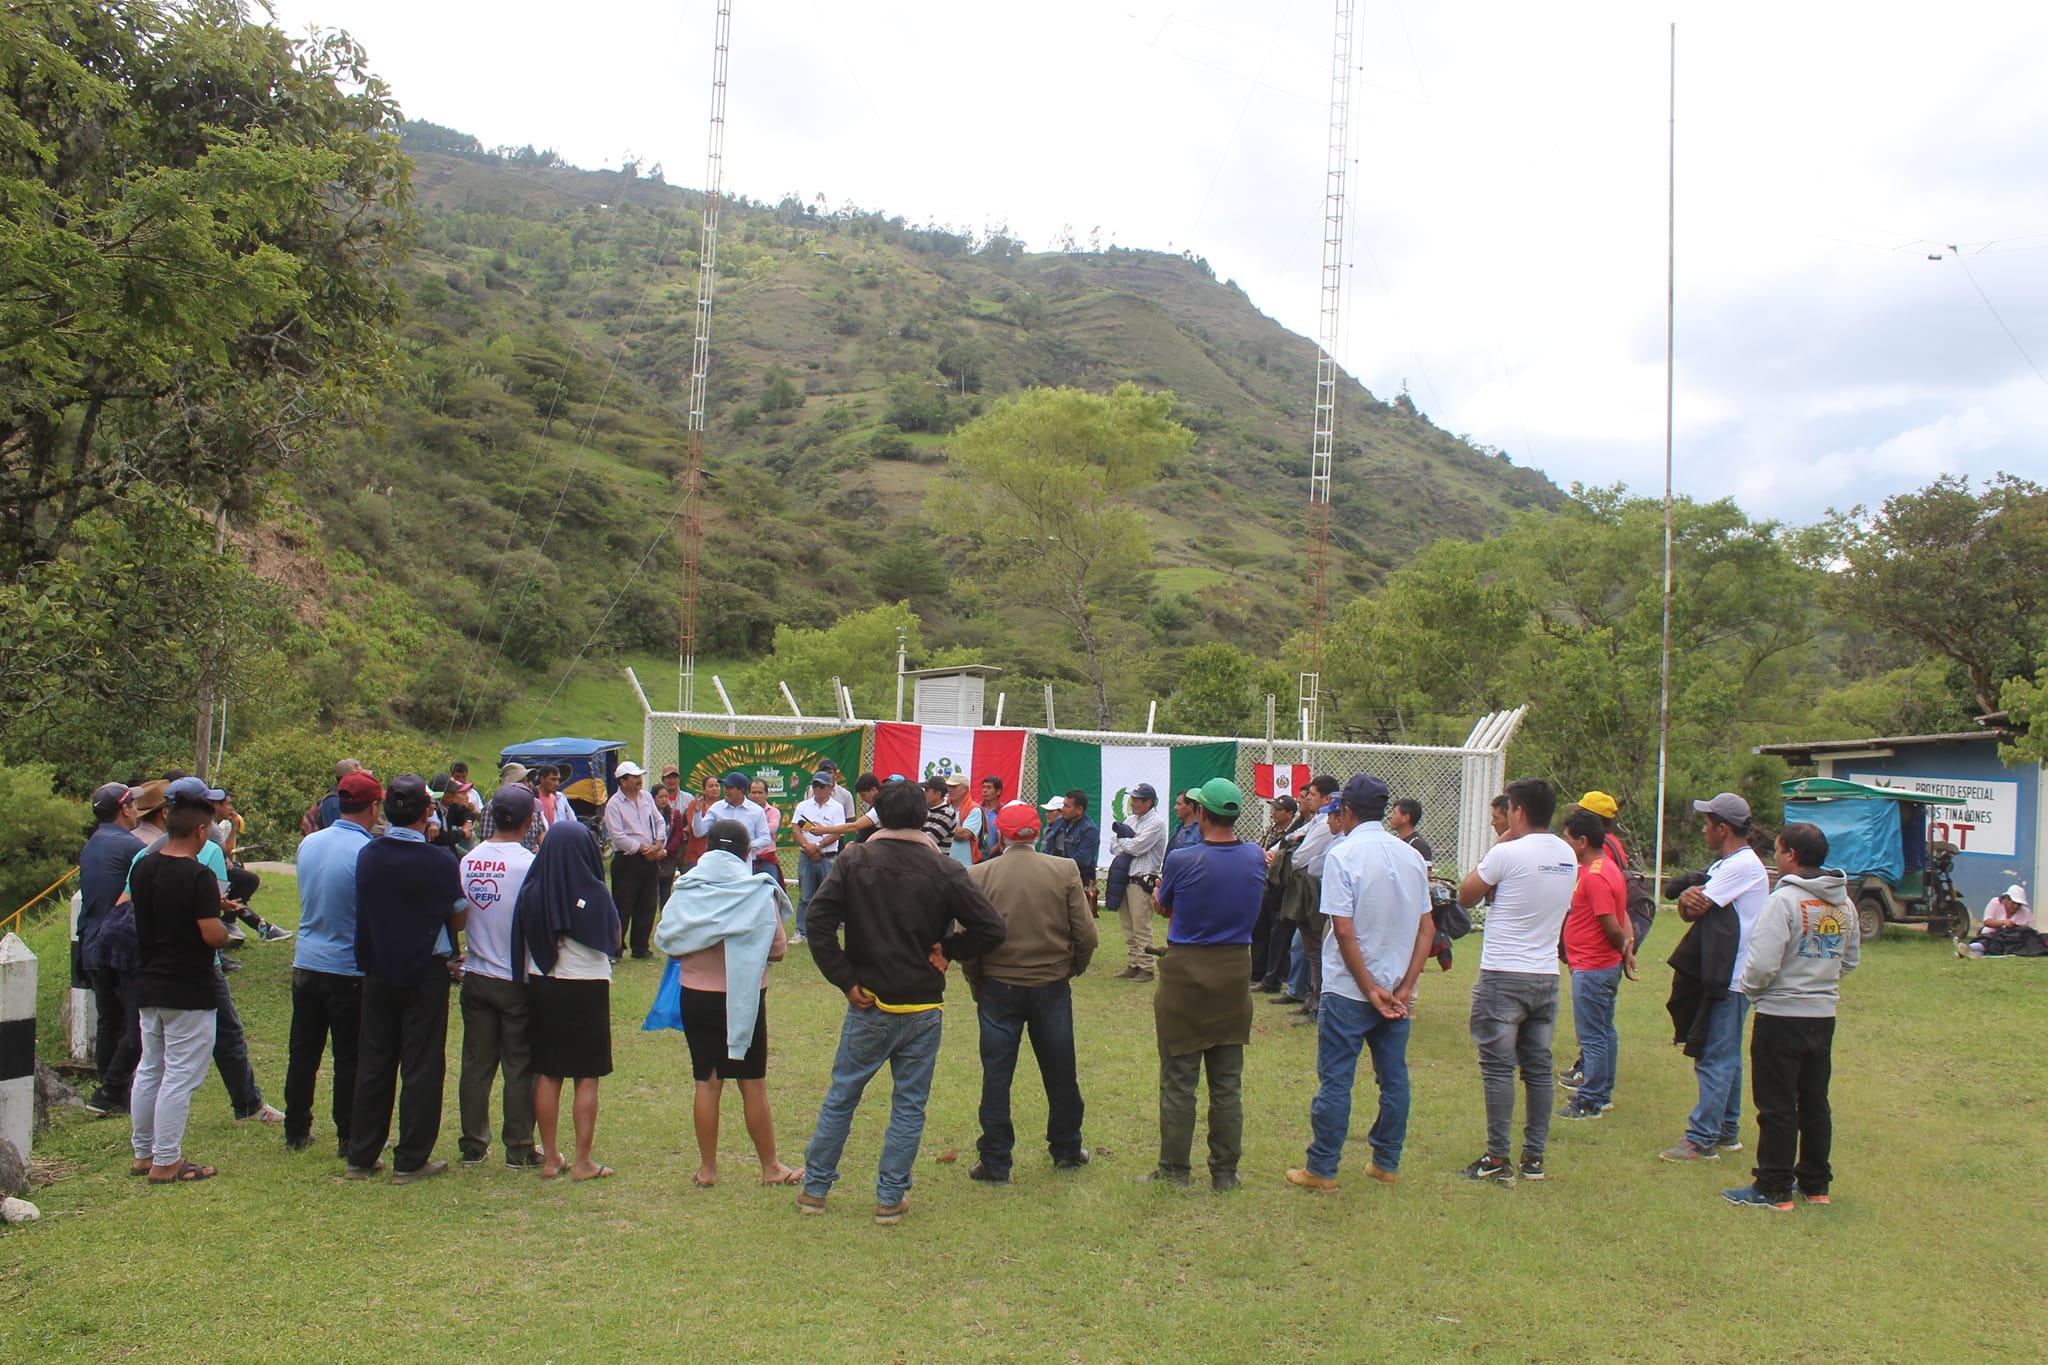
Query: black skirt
[569,1024]
[704,1028]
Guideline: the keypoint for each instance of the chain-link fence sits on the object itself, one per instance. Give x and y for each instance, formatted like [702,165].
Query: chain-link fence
[1455,785]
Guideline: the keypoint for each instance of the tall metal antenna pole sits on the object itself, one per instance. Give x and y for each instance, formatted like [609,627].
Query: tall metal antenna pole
[1670,313]
[700,366]
[1323,446]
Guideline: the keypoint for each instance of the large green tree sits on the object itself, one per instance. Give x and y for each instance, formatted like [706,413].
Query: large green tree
[200,219]
[1961,574]
[1043,497]
[1564,612]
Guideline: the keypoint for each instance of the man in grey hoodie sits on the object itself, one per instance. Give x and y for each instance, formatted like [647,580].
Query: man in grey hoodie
[1801,944]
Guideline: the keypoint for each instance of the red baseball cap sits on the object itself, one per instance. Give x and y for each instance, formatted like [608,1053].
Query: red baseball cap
[359,788]
[1018,820]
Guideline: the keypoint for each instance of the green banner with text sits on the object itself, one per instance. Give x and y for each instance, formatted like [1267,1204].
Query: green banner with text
[781,763]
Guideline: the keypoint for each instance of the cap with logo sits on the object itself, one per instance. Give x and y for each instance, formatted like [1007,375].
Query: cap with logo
[1145,791]
[108,800]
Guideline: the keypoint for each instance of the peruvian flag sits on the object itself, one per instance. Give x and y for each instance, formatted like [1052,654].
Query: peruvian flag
[921,751]
[1281,779]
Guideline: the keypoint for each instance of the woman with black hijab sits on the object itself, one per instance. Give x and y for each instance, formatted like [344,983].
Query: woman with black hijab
[569,928]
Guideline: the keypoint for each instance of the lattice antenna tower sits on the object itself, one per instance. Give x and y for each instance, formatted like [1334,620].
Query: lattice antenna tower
[1323,447]
[700,366]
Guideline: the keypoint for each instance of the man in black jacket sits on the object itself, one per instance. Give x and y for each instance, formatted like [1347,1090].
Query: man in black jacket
[407,892]
[896,895]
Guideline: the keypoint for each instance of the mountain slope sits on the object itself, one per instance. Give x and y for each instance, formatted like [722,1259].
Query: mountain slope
[521,486]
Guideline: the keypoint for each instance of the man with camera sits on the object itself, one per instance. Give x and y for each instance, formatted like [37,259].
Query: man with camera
[1143,840]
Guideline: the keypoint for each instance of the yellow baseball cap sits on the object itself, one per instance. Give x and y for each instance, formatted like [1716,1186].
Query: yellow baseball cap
[1601,804]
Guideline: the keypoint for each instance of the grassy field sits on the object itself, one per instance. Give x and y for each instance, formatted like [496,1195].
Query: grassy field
[1929,1252]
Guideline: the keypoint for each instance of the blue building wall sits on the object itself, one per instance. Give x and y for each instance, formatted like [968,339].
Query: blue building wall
[1980,874]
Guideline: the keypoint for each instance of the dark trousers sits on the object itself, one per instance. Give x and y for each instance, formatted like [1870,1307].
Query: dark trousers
[1178,1077]
[118,1045]
[633,879]
[404,1052]
[324,1005]
[1790,1060]
[242,883]
[231,1051]
[494,1039]
[1276,951]
[1007,1013]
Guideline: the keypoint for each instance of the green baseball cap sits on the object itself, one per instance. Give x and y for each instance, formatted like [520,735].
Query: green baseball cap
[1218,796]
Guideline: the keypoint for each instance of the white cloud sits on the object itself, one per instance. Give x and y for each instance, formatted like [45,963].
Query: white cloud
[1507,199]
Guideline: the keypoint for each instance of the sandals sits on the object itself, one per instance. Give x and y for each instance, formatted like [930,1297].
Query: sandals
[142,1165]
[600,1173]
[701,1183]
[790,1176]
[552,1173]
[184,1173]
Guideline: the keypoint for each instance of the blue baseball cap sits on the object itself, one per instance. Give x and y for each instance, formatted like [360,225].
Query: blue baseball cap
[192,789]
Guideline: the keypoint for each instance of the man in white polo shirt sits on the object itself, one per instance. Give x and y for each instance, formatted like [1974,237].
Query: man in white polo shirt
[816,851]
[1528,876]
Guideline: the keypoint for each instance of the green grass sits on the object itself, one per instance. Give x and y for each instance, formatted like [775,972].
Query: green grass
[1616,1257]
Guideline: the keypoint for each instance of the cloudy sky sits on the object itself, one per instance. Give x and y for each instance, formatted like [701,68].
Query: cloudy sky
[1507,196]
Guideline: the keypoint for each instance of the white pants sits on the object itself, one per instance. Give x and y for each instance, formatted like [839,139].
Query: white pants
[177,1045]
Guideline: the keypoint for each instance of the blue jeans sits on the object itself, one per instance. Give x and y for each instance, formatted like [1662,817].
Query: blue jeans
[1717,1118]
[909,1044]
[1344,1027]
[809,877]
[1593,993]
[1297,971]
[1006,1013]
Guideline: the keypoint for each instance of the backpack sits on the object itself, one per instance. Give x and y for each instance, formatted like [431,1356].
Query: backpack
[1641,903]
[309,823]
[1452,919]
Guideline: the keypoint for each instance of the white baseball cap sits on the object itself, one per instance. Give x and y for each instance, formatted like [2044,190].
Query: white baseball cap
[630,769]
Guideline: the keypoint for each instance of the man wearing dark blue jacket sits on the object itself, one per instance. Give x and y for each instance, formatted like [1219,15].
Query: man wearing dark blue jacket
[1075,836]
[407,891]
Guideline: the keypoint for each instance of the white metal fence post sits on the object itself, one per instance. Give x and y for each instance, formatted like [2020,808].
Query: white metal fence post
[17,1042]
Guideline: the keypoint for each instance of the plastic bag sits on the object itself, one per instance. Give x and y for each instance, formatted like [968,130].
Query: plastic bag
[668,1000]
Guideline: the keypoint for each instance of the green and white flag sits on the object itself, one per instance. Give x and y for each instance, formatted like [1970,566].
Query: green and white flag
[1107,772]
